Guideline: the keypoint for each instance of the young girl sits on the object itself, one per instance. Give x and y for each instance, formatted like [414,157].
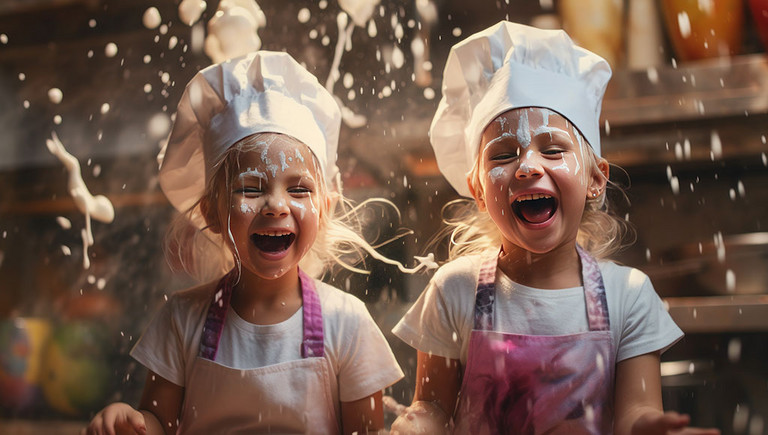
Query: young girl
[265,347]
[525,331]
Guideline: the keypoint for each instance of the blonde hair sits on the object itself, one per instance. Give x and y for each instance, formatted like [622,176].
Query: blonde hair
[205,254]
[601,231]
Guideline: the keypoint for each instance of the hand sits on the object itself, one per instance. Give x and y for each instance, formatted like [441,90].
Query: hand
[667,424]
[420,418]
[117,419]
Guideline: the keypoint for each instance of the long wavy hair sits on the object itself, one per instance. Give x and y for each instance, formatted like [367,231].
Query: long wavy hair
[190,245]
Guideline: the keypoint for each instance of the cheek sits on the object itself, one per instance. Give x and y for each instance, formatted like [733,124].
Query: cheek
[244,206]
[496,176]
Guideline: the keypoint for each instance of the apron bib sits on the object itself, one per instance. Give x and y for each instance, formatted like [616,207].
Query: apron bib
[291,397]
[532,384]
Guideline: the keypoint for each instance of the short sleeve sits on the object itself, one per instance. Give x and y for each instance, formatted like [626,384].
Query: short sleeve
[366,362]
[441,318]
[160,348]
[647,326]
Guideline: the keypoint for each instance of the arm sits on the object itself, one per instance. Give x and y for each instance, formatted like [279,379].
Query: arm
[161,404]
[122,418]
[438,381]
[363,416]
[638,401]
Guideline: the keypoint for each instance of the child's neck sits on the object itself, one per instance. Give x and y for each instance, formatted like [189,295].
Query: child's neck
[556,269]
[266,301]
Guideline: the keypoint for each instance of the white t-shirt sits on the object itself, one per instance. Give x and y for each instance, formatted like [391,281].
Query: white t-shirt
[442,318]
[356,352]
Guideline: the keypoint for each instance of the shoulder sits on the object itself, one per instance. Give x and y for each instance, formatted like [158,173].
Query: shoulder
[460,272]
[626,286]
[335,302]
[189,304]
[623,277]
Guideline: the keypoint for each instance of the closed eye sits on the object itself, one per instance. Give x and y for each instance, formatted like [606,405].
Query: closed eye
[553,152]
[300,191]
[248,191]
[504,156]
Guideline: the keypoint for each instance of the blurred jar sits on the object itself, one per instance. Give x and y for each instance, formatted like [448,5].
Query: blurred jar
[759,10]
[23,341]
[595,25]
[700,29]
[644,35]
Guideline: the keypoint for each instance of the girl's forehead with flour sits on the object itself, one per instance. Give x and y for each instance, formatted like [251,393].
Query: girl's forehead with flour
[527,131]
[273,155]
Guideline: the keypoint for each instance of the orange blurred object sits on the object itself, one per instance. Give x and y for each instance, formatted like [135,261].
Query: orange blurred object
[701,29]
[759,10]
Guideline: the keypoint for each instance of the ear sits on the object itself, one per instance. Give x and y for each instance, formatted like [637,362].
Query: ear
[477,195]
[599,178]
[210,215]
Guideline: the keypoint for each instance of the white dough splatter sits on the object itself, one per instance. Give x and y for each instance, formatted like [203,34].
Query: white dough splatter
[524,130]
[99,207]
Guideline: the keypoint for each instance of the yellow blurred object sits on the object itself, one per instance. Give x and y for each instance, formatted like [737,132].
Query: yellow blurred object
[22,344]
[595,25]
[701,29]
[76,372]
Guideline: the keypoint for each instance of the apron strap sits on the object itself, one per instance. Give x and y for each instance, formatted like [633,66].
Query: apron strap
[594,292]
[486,295]
[214,320]
[312,345]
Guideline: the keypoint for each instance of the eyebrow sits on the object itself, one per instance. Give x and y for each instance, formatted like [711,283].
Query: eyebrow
[545,129]
[252,173]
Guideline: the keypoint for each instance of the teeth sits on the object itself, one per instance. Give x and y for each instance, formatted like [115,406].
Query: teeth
[532,196]
[273,233]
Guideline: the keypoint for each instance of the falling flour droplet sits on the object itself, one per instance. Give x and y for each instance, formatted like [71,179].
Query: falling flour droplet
[685,24]
[104,108]
[730,281]
[63,222]
[110,50]
[151,18]
[734,350]
[304,15]
[55,95]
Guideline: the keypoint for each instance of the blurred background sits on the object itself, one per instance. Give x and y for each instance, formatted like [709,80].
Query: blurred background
[685,117]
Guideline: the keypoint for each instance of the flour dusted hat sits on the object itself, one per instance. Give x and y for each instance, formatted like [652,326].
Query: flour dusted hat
[509,66]
[263,92]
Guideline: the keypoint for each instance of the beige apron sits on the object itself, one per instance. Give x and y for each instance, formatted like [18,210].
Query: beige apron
[288,398]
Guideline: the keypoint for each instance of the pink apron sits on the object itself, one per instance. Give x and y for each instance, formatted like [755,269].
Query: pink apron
[531,384]
[290,397]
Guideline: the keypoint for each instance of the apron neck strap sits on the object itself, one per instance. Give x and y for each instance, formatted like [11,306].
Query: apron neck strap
[312,342]
[214,320]
[594,293]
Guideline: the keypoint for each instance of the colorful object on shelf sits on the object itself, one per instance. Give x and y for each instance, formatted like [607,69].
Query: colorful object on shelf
[704,29]
[759,10]
[595,25]
[76,372]
[22,341]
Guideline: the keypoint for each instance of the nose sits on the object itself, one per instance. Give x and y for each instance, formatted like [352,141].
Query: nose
[529,166]
[275,206]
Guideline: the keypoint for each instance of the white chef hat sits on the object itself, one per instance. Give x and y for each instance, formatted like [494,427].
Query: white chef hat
[262,92]
[509,66]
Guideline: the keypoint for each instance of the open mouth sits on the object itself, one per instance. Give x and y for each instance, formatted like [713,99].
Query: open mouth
[273,241]
[534,208]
